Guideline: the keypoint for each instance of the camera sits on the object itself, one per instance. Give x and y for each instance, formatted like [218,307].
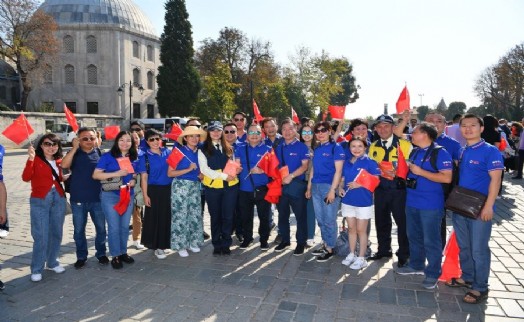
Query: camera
[411,183]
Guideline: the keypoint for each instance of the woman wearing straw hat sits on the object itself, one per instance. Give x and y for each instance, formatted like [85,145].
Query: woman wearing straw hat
[186,222]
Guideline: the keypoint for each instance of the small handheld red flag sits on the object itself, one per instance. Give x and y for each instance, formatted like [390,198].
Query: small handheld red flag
[337,112]
[256,112]
[19,130]
[269,164]
[367,180]
[403,101]
[402,166]
[174,133]
[71,119]
[294,116]
[111,132]
[175,157]
[123,203]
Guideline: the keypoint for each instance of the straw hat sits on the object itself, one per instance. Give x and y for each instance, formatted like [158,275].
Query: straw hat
[192,130]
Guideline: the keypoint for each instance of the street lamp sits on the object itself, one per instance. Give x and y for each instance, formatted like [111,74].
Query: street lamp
[120,92]
[421,95]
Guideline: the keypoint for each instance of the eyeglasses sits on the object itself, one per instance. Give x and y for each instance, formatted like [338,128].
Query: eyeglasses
[253,132]
[49,144]
[323,130]
[85,139]
[153,139]
[230,132]
[307,132]
[239,120]
[136,129]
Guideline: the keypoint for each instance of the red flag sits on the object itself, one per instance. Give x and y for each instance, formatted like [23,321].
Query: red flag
[174,133]
[174,158]
[337,112]
[71,119]
[256,112]
[402,166]
[111,132]
[122,204]
[19,130]
[367,180]
[269,164]
[294,116]
[274,191]
[403,101]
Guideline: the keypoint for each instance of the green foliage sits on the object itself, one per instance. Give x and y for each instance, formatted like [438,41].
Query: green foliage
[422,111]
[4,107]
[178,80]
[455,108]
[46,108]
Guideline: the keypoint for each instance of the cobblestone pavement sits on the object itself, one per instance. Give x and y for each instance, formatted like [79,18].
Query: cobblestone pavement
[248,285]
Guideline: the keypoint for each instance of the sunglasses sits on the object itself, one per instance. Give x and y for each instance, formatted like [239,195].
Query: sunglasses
[85,139]
[239,120]
[153,139]
[323,130]
[253,132]
[136,129]
[307,132]
[49,144]
[230,132]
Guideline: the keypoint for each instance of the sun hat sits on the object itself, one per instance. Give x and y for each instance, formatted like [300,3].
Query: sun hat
[192,130]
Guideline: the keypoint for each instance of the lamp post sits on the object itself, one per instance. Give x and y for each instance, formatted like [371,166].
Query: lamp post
[120,92]
[421,95]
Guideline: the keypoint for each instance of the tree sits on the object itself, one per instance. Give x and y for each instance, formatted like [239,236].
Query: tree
[455,108]
[422,111]
[27,38]
[178,80]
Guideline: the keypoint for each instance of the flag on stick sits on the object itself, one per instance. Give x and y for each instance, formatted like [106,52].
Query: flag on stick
[111,132]
[402,166]
[71,119]
[294,116]
[19,130]
[367,180]
[403,101]
[175,157]
[174,133]
[256,112]
[337,112]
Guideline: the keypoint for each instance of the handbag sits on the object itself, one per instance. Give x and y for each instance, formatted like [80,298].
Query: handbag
[465,202]
[111,184]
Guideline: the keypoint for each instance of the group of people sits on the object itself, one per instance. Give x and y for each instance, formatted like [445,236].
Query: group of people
[317,169]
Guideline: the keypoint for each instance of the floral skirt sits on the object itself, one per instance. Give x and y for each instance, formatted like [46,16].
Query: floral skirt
[186,218]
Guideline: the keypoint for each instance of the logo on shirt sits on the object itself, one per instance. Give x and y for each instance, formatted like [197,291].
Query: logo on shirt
[474,162]
[293,154]
[326,154]
[446,163]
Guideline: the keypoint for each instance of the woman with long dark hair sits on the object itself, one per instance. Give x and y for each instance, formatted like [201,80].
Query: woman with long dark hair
[47,204]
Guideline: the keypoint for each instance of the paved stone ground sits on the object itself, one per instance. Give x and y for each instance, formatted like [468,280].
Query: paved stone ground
[249,285]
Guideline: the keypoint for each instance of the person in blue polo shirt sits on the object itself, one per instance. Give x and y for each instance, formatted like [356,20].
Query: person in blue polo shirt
[480,169]
[292,155]
[425,205]
[240,121]
[328,160]
[252,179]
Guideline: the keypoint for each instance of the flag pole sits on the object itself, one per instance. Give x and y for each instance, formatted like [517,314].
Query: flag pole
[26,129]
[256,165]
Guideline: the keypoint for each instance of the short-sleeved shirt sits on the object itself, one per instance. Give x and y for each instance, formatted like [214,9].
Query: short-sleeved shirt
[476,162]
[191,157]
[255,154]
[143,145]
[428,194]
[242,138]
[2,152]
[324,159]
[157,167]
[108,163]
[278,140]
[292,155]
[359,197]
[82,186]
[450,144]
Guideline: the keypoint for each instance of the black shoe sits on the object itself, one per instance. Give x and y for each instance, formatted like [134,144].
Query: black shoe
[245,244]
[278,239]
[126,259]
[217,252]
[103,260]
[80,263]
[299,250]
[116,263]
[402,263]
[264,245]
[327,256]
[130,227]
[226,251]
[516,178]
[2,285]
[319,252]
[282,246]
[240,238]
[206,236]
[377,256]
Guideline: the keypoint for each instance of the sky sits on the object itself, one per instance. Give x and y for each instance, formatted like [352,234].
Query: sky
[438,48]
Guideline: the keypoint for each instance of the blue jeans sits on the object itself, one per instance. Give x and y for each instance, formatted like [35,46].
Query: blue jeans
[310,219]
[423,228]
[117,225]
[47,223]
[326,214]
[80,211]
[475,256]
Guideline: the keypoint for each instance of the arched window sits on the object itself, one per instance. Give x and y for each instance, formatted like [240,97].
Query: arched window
[92,75]
[91,44]
[48,74]
[150,53]
[135,49]
[136,76]
[150,80]
[69,72]
[69,44]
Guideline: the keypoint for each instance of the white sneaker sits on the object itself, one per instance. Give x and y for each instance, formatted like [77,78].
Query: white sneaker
[195,249]
[57,269]
[349,259]
[183,253]
[137,245]
[36,277]
[310,242]
[3,233]
[359,263]
[159,253]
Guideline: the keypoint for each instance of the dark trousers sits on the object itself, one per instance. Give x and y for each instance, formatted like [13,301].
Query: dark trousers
[443,230]
[221,204]
[237,219]
[387,202]
[299,206]
[246,203]
[520,164]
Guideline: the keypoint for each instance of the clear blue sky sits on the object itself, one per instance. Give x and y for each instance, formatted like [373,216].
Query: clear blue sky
[438,47]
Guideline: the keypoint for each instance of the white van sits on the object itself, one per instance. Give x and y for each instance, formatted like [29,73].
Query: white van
[64,132]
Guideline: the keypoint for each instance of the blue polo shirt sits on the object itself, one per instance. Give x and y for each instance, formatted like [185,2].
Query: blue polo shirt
[292,155]
[476,162]
[83,188]
[359,197]
[324,159]
[255,154]
[157,167]
[278,139]
[108,163]
[242,138]
[428,194]
[450,144]
[185,163]
[143,144]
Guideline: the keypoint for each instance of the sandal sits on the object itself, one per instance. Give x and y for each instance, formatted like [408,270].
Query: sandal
[472,298]
[457,282]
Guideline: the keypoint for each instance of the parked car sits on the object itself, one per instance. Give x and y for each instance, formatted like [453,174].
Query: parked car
[64,132]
